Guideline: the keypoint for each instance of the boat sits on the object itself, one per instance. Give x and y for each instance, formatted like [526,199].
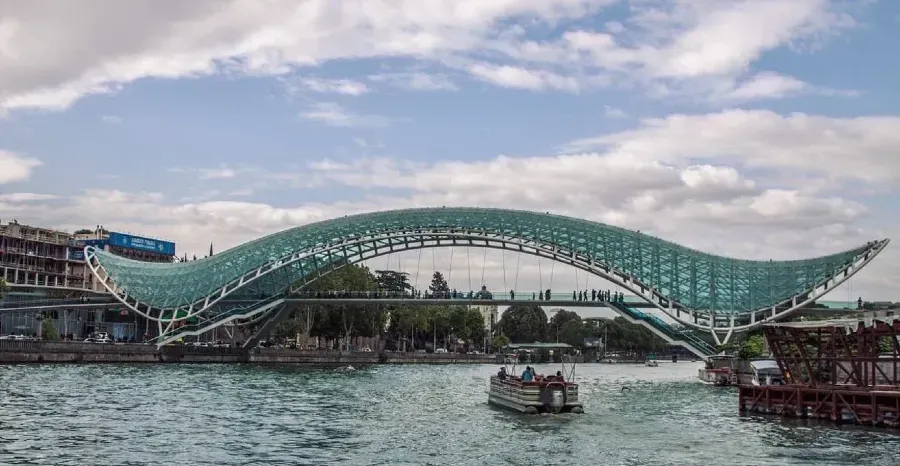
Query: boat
[544,394]
[719,371]
[651,363]
[766,372]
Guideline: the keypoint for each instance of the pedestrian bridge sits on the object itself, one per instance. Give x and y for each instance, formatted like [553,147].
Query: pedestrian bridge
[721,294]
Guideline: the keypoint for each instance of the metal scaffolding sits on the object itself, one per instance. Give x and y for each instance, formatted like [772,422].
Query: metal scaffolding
[845,371]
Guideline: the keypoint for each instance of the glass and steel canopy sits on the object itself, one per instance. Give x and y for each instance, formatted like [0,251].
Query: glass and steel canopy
[693,279]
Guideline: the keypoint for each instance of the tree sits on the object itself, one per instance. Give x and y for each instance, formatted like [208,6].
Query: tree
[338,321]
[48,330]
[622,335]
[499,341]
[439,287]
[574,331]
[392,282]
[4,288]
[524,323]
[558,320]
[752,347]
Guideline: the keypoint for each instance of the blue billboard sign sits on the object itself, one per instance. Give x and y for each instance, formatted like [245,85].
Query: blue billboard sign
[76,254]
[141,244]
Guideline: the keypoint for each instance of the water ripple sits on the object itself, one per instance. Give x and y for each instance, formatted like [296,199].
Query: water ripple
[392,415]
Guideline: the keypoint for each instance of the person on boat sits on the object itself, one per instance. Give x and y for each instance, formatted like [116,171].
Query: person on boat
[527,374]
[502,373]
[560,377]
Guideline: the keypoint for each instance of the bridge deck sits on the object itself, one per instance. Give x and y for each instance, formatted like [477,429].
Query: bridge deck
[557,300]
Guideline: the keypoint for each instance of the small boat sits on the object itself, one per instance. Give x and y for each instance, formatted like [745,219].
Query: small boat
[543,394]
[719,370]
[651,363]
[766,372]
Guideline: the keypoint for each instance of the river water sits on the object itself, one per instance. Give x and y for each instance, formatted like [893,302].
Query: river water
[394,415]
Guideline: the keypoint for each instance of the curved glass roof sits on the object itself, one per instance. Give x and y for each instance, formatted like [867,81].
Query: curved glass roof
[695,279]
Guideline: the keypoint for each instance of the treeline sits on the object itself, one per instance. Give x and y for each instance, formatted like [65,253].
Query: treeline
[529,324]
[408,327]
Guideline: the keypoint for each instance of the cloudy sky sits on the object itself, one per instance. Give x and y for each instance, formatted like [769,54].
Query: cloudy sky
[757,129]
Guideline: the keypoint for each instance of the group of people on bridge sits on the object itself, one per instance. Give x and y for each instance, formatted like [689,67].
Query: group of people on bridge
[483,294]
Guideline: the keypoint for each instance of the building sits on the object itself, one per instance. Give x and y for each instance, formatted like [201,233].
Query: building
[41,264]
[491,315]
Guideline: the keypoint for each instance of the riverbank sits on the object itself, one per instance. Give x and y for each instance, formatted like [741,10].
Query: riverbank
[46,352]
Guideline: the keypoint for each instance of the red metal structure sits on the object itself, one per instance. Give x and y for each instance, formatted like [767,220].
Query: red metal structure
[841,370]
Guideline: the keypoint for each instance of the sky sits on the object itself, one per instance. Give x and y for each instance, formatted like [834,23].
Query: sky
[760,129]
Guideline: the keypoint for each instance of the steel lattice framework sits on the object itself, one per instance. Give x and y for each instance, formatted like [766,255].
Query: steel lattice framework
[695,288]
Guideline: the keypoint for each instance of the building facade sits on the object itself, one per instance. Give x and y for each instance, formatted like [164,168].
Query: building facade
[41,265]
[491,316]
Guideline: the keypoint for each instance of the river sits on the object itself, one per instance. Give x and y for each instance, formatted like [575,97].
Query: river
[394,415]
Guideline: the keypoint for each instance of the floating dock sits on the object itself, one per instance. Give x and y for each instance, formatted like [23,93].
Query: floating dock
[845,371]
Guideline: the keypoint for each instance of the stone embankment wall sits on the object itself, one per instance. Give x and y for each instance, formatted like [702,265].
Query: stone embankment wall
[16,352]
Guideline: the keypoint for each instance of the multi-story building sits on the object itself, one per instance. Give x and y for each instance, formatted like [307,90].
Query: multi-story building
[40,265]
[491,316]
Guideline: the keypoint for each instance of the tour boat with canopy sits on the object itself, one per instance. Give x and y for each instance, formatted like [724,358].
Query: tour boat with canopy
[534,393]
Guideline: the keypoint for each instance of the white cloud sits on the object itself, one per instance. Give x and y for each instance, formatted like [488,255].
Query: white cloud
[416,81]
[111,119]
[217,173]
[333,86]
[333,114]
[15,167]
[614,113]
[521,78]
[860,149]
[16,198]
[76,57]
[366,144]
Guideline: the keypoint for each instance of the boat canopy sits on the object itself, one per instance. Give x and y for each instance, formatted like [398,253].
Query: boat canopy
[765,366]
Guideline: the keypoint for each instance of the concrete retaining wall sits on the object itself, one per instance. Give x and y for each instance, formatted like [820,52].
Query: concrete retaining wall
[15,352]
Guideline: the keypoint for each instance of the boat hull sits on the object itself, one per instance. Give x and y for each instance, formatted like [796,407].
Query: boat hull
[532,397]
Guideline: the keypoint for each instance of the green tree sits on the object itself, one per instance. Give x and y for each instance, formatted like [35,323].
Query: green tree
[622,335]
[574,332]
[48,330]
[752,347]
[392,282]
[345,321]
[439,286]
[4,288]
[499,341]
[524,323]
[558,320]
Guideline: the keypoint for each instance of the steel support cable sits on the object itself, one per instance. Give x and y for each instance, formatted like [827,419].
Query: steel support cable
[540,275]
[503,261]
[518,260]
[418,266]
[450,272]
[434,258]
[576,280]
[483,266]
[552,268]
[469,265]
